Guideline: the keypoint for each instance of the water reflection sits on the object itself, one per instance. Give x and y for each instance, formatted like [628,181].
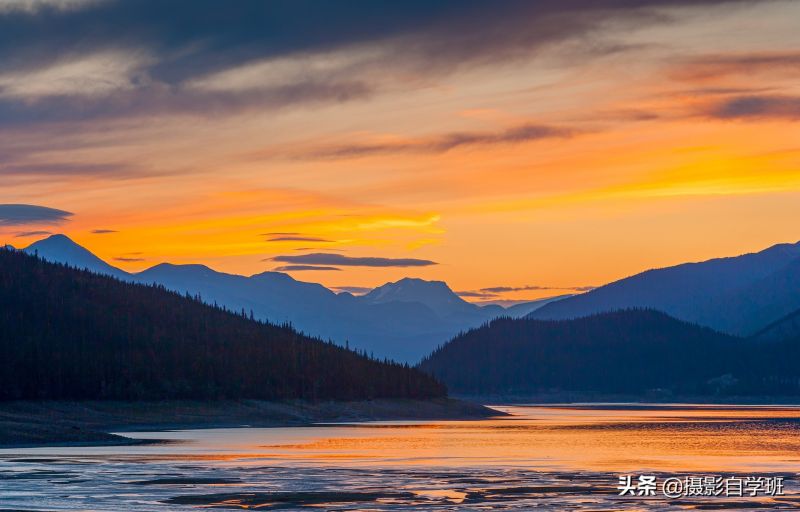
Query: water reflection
[560,457]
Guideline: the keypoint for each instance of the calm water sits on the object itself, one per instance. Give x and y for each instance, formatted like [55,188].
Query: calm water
[558,458]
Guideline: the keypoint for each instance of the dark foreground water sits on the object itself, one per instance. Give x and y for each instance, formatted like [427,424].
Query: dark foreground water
[551,458]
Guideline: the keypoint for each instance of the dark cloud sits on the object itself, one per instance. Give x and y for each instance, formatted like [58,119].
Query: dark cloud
[24,234]
[291,268]
[173,44]
[756,107]
[126,259]
[298,239]
[103,231]
[22,214]
[443,143]
[348,261]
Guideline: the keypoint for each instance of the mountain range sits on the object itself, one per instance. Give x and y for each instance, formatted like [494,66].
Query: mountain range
[69,334]
[404,320]
[630,352]
[756,294]
[738,295]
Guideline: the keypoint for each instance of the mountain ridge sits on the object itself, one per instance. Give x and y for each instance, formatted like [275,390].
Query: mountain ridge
[396,325]
[717,293]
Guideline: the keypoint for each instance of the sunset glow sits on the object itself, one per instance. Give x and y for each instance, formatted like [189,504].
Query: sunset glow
[629,140]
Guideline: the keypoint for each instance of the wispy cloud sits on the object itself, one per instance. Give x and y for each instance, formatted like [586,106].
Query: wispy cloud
[496,291]
[723,65]
[122,59]
[127,259]
[25,234]
[293,268]
[756,107]
[22,214]
[348,261]
[298,239]
[103,231]
[443,143]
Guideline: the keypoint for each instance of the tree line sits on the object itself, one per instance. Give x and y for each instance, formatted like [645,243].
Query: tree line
[71,334]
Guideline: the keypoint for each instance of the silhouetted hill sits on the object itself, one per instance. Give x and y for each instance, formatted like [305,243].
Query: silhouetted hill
[625,352]
[403,321]
[72,334]
[787,328]
[737,295]
[61,249]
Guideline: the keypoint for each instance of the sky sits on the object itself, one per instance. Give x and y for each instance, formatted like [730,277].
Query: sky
[514,149]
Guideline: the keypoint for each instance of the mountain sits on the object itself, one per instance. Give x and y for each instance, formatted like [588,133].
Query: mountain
[526,308]
[786,328]
[68,334]
[403,320]
[436,295]
[737,295]
[61,249]
[631,352]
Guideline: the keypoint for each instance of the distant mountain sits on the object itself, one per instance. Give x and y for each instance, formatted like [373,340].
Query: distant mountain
[627,352]
[786,328]
[61,249]
[68,334]
[526,308]
[434,294]
[737,295]
[403,320]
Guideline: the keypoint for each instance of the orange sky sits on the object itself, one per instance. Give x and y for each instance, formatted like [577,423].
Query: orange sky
[561,167]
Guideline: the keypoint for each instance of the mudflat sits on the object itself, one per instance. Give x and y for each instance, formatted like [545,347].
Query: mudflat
[49,423]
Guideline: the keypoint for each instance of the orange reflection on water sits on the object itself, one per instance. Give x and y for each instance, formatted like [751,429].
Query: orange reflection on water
[607,438]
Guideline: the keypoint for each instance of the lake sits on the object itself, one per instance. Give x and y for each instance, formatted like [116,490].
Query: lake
[547,457]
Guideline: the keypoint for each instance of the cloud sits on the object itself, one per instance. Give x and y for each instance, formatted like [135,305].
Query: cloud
[293,238]
[292,268]
[120,59]
[127,259]
[34,6]
[22,214]
[719,66]
[25,234]
[91,75]
[756,107]
[103,231]
[476,295]
[348,261]
[496,291]
[443,143]
[110,170]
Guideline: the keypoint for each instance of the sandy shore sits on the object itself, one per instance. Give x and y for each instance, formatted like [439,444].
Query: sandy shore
[88,423]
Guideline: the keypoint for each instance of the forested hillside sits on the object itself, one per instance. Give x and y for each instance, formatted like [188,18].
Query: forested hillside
[71,334]
[627,352]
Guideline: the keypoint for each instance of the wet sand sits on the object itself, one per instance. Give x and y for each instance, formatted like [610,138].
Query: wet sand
[89,423]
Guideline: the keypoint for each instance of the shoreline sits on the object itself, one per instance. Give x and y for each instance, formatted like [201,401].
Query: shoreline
[577,399]
[29,424]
